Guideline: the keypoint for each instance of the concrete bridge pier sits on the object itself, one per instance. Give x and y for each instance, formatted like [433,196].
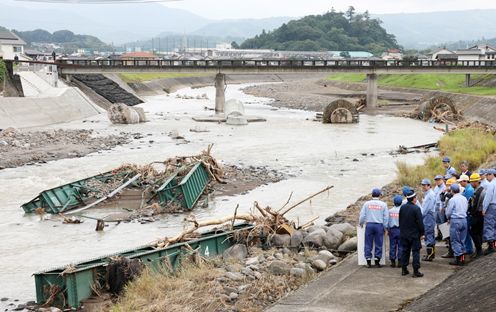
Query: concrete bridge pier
[220,93]
[372,90]
[467,80]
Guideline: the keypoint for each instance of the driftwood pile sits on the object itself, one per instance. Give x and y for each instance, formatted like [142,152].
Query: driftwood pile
[266,221]
[439,109]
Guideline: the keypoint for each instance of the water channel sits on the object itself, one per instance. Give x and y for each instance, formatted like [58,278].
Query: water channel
[313,156]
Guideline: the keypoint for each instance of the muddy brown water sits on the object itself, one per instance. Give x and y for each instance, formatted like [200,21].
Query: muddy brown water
[313,155]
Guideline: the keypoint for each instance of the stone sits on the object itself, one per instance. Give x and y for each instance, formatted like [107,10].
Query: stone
[298,272]
[315,239]
[4,299]
[333,261]
[229,289]
[333,238]
[319,265]
[280,240]
[296,239]
[345,228]
[349,245]
[325,256]
[286,251]
[247,272]
[257,275]
[141,113]
[20,307]
[234,276]
[238,252]
[254,267]
[233,296]
[278,256]
[301,265]
[54,309]
[278,267]
[252,261]
[122,114]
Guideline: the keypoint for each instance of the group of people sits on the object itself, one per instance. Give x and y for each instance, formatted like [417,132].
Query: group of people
[465,202]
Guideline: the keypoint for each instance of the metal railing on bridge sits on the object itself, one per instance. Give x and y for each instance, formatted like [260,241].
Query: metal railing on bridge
[347,63]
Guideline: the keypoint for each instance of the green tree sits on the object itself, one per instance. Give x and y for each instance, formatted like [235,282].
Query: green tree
[234,45]
[350,13]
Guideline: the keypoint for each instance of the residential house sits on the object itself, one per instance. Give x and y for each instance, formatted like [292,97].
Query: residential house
[140,58]
[481,52]
[392,55]
[443,54]
[11,46]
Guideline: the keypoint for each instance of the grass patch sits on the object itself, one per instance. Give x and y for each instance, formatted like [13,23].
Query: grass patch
[188,289]
[443,82]
[470,144]
[141,77]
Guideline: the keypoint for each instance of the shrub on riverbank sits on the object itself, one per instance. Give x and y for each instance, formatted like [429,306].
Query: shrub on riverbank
[470,144]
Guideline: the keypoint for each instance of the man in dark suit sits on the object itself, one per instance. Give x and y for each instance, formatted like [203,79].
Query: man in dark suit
[411,230]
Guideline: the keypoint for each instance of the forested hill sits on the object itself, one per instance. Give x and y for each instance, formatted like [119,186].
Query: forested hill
[333,31]
[65,38]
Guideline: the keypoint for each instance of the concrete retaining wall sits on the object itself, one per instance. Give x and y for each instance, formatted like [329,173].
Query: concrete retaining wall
[35,112]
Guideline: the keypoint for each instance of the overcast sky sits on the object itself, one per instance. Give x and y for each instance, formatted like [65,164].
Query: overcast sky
[221,9]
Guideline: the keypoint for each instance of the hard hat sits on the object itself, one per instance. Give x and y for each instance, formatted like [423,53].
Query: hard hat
[426,182]
[406,190]
[446,160]
[475,177]
[455,188]
[397,200]
[450,181]
[438,177]
[376,192]
[464,177]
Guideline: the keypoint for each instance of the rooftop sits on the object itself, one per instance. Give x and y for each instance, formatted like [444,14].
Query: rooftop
[8,37]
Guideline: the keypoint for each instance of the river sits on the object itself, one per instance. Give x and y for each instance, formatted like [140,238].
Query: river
[312,154]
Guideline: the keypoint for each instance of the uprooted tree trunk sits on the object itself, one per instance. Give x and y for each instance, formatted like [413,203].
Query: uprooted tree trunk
[121,271]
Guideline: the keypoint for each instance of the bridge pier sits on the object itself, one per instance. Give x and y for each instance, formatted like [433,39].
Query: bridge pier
[467,80]
[220,93]
[371,90]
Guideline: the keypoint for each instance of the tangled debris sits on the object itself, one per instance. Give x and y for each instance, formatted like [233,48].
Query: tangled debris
[439,109]
[18,148]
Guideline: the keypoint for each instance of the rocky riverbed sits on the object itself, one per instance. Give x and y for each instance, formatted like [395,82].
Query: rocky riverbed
[19,148]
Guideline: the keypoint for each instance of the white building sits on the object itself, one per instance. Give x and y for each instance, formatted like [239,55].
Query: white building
[11,46]
[443,55]
[481,52]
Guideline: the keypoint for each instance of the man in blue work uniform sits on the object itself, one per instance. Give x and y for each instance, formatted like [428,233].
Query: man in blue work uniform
[456,212]
[411,229]
[489,212]
[450,171]
[438,189]
[394,231]
[429,219]
[475,213]
[468,192]
[484,182]
[375,214]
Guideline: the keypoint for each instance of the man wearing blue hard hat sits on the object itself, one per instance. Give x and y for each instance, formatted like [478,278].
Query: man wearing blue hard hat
[484,182]
[411,230]
[489,211]
[456,212]
[438,204]
[394,231]
[375,215]
[429,219]
[450,171]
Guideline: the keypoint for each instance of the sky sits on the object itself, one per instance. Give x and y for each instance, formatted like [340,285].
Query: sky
[221,9]
[224,9]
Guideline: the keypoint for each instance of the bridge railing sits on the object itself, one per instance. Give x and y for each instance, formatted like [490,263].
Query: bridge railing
[350,63]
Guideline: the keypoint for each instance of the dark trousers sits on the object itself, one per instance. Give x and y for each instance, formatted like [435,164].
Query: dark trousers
[394,244]
[412,245]
[476,227]
[374,234]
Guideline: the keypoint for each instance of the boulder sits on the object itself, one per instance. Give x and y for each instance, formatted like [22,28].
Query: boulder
[141,113]
[315,239]
[252,261]
[235,276]
[238,252]
[122,114]
[345,228]
[296,239]
[280,240]
[319,265]
[298,272]
[278,267]
[349,245]
[333,238]
[325,256]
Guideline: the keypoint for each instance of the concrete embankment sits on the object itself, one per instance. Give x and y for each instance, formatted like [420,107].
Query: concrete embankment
[169,85]
[23,112]
[481,108]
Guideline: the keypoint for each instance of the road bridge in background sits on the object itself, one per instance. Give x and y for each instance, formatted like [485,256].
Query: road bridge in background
[371,68]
